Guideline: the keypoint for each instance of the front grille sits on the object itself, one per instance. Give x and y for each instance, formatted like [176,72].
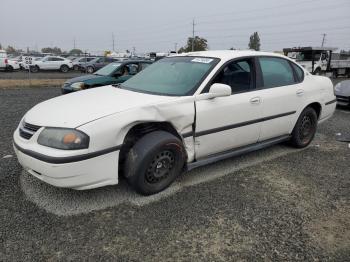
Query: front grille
[27,130]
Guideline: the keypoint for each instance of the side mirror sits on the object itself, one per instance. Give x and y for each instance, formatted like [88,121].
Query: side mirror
[216,90]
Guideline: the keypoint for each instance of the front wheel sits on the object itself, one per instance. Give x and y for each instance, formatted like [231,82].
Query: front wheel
[317,71]
[34,69]
[154,162]
[305,128]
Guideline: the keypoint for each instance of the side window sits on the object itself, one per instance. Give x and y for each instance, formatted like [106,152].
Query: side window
[299,72]
[276,72]
[50,59]
[238,75]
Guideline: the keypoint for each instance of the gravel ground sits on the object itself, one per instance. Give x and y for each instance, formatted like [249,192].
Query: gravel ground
[278,204]
[39,75]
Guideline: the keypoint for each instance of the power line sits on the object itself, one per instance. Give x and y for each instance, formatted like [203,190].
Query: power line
[193,25]
[113,42]
[323,39]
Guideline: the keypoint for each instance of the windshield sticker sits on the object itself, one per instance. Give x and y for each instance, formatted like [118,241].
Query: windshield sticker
[202,60]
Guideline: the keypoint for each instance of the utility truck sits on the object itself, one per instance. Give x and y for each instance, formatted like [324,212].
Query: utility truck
[318,60]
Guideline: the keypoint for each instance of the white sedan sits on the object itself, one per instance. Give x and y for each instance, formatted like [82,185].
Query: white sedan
[182,112]
[52,63]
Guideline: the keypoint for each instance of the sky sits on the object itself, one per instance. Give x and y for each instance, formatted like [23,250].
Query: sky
[162,25]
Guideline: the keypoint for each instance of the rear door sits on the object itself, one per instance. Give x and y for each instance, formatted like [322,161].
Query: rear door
[281,94]
[224,123]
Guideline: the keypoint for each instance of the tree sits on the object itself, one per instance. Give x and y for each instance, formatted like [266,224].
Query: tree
[199,44]
[75,51]
[11,49]
[254,41]
[0,46]
[53,50]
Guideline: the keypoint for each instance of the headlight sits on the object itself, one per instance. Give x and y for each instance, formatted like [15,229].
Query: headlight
[63,138]
[337,87]
[77,86]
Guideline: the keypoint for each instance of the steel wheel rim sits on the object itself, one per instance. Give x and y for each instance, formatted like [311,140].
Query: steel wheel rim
[160,167]
[306,129]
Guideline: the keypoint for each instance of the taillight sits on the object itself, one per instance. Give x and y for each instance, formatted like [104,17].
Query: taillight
[6,61]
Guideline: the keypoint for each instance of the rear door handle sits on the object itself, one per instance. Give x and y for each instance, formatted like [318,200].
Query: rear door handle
[255,100]
[300,92]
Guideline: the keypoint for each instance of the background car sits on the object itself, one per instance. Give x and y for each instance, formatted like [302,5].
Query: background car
[3,60]
[13,65]
[97,63]
[113,73]
[342,92]
[79,62]
[52,63]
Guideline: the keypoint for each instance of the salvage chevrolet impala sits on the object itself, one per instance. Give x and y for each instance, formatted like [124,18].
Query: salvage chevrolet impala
[179,113]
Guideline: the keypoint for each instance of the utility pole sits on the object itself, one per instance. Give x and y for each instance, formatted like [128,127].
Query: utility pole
[175,47]
[323,39]
[113,41]
[193,24]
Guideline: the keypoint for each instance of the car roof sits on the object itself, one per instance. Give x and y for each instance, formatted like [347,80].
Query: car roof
[229,54]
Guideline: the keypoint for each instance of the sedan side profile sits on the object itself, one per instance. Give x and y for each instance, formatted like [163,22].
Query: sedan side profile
[113,73]
[179,113]
[52,63]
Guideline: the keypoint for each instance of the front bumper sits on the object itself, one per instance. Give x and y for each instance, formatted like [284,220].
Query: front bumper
[343,100]
[88,173]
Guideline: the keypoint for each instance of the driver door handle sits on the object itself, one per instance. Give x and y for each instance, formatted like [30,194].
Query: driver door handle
[255,100]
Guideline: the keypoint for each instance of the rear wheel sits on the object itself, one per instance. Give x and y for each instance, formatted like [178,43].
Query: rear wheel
[154,162]
[64,68]
[305,128]
[90,69]
[10,68]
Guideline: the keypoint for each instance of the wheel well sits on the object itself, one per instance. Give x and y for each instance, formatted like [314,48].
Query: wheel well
[138,131]
[317,107]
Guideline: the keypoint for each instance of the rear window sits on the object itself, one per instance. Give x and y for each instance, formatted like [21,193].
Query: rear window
[276,72]
[298,71]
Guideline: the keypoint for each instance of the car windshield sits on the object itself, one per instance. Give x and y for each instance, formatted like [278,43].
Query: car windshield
[172,76]
[108,69]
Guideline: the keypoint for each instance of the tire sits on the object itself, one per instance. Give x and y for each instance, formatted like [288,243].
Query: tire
[305,128]
[154,162]
[90,69]
[10,69]
[335,74]
[34,69]
[317,71]
[64,68]
[76,67]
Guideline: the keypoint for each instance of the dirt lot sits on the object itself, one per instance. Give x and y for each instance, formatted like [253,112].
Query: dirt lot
[278,204]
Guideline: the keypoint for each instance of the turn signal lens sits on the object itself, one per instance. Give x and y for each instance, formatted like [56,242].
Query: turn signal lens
[71,138]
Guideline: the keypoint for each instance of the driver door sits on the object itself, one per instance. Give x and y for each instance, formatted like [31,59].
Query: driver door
[225,123]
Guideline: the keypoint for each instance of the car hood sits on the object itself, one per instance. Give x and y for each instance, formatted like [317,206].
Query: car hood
[84,78]
[343,88]
[78,108]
